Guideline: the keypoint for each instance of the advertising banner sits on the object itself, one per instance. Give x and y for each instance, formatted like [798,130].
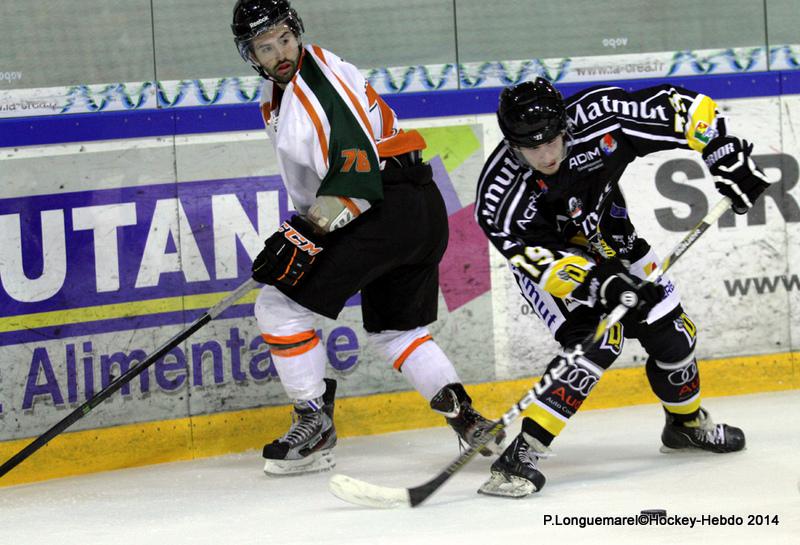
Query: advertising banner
[110,248]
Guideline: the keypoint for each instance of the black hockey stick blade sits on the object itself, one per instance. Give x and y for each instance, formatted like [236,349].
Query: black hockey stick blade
[126,377]
[360,492]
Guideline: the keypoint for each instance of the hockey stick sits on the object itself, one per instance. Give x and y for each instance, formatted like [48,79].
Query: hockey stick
[126,377]
[370,495]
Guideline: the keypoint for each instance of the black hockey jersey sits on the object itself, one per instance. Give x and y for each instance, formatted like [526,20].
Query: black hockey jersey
[554,228]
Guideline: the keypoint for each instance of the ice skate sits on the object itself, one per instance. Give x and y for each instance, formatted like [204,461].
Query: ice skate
[455,404]
[515,474]
[308,445]
[701,433]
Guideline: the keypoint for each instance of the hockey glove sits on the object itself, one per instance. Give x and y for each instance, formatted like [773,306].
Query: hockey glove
[288,255]
[609,284]
[736,176]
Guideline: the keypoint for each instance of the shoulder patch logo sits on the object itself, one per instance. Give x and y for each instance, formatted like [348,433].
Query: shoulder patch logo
[608,144]
[703,132]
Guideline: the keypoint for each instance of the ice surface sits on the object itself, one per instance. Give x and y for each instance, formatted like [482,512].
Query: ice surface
[607,463]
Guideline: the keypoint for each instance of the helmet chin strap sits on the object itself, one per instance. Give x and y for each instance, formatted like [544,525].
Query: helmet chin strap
[567,145]
[518,154]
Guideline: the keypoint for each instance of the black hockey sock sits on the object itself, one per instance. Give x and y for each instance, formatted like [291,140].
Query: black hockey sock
[674,383]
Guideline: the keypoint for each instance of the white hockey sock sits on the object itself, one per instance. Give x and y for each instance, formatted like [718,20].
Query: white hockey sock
[302,374]
[285,326]
[428,369]
[414,353]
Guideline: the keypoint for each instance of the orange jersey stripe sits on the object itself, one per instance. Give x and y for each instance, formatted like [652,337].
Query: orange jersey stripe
[361,113]
[296,350]
[403,142]
[323,141]
[387,115]
[318,51]
[407,352]
[289,339]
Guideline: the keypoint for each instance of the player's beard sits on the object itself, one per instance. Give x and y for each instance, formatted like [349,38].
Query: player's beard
[285,76]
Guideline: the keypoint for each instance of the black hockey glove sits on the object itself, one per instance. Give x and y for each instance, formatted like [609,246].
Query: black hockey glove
[288,255]
[735,174]
[609,284]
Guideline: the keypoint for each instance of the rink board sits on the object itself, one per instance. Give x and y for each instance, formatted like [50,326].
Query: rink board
[112,247]
[145,443]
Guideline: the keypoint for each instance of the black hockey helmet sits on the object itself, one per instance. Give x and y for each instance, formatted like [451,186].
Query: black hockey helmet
[531,113]
[254,17]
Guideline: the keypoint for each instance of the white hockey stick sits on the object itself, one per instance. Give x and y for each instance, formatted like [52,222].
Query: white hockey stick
[371,495]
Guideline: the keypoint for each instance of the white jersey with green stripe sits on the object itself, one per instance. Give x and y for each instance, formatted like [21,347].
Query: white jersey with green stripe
[326,127]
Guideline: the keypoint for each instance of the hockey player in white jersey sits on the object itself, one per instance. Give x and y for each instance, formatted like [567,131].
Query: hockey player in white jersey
[369,219]
[549,200]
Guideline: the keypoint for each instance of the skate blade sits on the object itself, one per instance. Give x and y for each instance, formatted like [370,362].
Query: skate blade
[692,450]
[511,487]
[323,460]
[678,451]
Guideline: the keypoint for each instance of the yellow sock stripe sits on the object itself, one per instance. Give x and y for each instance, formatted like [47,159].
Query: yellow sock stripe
[131,445]
[545,418]
[118,310]
[683,408]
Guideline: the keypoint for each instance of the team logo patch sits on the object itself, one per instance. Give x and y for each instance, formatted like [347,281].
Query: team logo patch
[686,326]
[703,132]
[575,207]
[542,186]
[613,339]
[608,144]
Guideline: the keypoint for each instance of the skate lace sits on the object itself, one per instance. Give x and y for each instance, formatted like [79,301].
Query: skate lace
[527,457]
[303,428]
[530,455]
[716,435]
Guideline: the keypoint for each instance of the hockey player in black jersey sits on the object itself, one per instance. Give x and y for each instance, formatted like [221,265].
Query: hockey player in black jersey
[549,200]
